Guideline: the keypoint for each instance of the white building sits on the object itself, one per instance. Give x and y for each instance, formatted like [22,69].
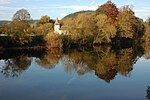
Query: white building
[57,28]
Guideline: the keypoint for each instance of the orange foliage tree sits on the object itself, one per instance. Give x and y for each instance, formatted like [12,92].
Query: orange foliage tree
[109,9]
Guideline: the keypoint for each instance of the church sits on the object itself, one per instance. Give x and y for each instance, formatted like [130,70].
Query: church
[57,28]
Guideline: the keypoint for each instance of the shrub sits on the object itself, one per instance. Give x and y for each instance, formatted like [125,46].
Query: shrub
[53,40]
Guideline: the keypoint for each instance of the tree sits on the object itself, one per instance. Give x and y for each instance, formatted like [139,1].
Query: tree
[148,20]
[43,20]
[81,28]
[44,29]
[146,36]
[44,25]
[53,41]
[22,14]
[18,30]
[106,29]
[109,9]
[129,25]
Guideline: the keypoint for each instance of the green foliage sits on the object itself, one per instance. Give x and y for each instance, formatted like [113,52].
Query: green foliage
[19,31]
[44,29]
[44,25]
[81,29]
[44,19]
[19,27]
[100,11]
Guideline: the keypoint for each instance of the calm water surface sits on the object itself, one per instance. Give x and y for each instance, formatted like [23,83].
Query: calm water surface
[79,74]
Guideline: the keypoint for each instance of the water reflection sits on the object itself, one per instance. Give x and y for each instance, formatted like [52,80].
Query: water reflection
[148,93]
[17,61]
[50,58]
[105,61]
[146,47]
[15,66]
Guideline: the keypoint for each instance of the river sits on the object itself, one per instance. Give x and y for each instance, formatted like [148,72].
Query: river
[100,73]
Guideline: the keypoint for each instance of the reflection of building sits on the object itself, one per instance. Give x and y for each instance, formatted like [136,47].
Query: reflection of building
[57,28]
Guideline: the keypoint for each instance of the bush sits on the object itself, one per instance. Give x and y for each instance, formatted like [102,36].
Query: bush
[53,40]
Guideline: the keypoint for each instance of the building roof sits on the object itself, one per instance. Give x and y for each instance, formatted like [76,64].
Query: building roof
[57,22]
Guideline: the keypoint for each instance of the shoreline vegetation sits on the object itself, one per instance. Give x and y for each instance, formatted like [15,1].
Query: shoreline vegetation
[108,25]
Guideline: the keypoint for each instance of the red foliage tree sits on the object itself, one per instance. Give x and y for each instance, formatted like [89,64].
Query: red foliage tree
[109,9]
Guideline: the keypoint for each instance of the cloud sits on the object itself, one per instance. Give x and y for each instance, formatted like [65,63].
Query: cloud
[142,12]
[79,7]
[71,7]
[5,1]
[8,8]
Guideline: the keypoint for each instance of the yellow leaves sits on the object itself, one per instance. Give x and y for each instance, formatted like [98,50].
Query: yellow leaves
[44,29]
[107,29]
[50,58]
[101,20]
[129,26]
[53,40]
[43,20]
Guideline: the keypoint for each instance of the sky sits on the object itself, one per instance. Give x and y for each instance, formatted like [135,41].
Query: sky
[61,8]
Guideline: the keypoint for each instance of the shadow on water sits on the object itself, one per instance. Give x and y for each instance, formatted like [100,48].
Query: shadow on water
[148,93]
[17,61]
[105,61]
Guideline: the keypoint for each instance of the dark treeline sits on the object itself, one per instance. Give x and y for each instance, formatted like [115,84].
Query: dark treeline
[26,41]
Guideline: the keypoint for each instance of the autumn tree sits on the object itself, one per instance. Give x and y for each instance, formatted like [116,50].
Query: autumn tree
[44,29]
[81,28]
[109,9]
[18,30]
[106,16]
[129,25]
[43,20]
[148,20]
[44,25]
[146,36]
[106,29]
[53,40]
[4,28]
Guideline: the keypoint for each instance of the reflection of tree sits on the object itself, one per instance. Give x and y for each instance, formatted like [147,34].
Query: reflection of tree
[105,64]
[148,93]
[146,50]
[15,66]
[105,61]
[125,61]
[76,61]
[126,58]
[51,58]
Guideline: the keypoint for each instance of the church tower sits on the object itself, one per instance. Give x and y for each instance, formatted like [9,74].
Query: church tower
[57,26]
